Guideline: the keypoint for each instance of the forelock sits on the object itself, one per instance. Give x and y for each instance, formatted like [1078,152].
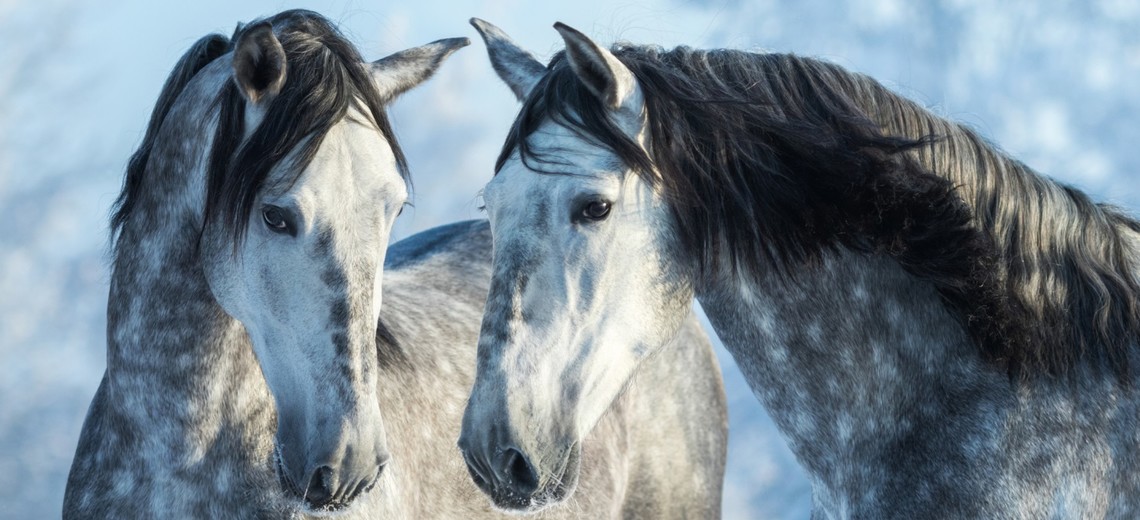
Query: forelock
[326,77]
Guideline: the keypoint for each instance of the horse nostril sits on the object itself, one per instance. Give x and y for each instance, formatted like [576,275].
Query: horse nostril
[369,483]
[523,476]
[319,493]
[477,474]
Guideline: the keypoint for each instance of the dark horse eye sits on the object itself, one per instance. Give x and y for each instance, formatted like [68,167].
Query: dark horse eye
[274,217]
[596,210]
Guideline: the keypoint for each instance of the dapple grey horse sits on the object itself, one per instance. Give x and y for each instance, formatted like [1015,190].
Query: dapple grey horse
[250,372]
[938,330]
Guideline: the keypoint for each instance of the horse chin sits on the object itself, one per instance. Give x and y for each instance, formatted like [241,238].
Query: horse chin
[329,511]
[557,491]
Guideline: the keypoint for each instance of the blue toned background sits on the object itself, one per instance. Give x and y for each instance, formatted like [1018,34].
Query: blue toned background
[1055,83]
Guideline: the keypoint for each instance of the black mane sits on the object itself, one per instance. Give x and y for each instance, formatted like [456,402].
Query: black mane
[770,160]
[204,51]
[326,76]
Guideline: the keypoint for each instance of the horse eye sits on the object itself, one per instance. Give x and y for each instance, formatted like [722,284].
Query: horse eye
[274,217]
[596,210]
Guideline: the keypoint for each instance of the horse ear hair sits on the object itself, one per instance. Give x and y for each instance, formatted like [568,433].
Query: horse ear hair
[597,68]
[259,63]
[397,73]
[516,67]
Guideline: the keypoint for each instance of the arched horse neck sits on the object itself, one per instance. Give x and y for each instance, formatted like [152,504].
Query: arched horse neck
[163,324]
[877,385]
[1045,279]
[1067,265]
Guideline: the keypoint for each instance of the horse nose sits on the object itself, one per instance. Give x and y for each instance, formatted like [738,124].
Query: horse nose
[479,472]
[520,476]
[319,493]
[506,477]
[323,491]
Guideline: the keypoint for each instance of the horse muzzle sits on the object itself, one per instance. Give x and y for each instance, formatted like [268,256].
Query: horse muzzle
[514,484]
[329,488]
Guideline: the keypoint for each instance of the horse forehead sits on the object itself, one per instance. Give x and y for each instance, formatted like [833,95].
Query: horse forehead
[580,154]
[353,162]
[563,162]
[521,193]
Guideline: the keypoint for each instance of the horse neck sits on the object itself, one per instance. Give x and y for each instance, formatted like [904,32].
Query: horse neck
[174,357]
[842,354]
[1071,266]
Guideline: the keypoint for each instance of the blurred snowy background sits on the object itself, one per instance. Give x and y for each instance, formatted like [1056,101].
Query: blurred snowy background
[1054,82]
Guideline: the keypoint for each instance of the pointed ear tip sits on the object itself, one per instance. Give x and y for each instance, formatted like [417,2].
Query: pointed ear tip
[568,32]
[565,29]
[486,29]
[453,43]
[259,27]
[259,35]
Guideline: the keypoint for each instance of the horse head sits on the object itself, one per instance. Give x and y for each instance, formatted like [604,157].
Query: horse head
[583,288]
[305,181]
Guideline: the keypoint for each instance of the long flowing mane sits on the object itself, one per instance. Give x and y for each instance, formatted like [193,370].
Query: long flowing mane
[770,160]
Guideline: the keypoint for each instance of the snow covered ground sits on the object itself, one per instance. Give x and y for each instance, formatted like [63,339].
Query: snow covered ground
[1055,83]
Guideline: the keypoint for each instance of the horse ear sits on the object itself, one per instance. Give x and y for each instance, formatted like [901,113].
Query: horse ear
[259,63]
[403,70]
[597,68]
[518,68]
